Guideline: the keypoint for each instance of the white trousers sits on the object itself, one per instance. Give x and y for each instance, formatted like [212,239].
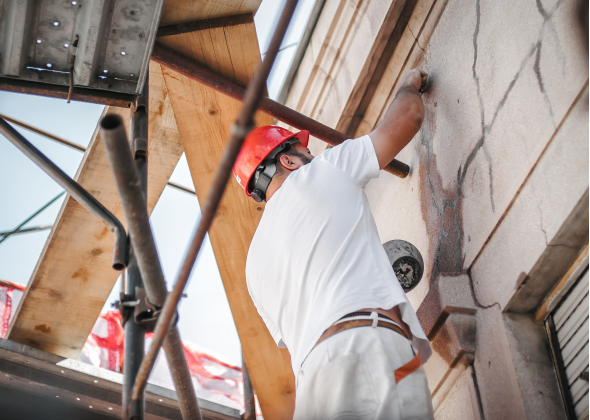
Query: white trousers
[351,376]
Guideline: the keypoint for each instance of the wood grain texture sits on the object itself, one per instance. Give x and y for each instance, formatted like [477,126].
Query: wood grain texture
[73,276]
[180,11]
[204,118]
[342,58]
[406,56]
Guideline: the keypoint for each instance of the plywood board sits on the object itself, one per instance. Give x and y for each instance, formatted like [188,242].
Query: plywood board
[181,11]
[204,118]
[73,276]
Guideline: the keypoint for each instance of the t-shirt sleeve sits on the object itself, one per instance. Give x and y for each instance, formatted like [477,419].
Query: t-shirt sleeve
[356,158]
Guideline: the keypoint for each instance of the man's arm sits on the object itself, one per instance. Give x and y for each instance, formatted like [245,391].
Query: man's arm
[402,120]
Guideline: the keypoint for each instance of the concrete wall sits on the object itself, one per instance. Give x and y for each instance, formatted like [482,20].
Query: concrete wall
[497,197]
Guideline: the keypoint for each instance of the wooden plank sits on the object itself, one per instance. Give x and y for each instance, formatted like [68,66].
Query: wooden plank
[204,118]
[199,25]
[563,286]
[181,11]
[73,276]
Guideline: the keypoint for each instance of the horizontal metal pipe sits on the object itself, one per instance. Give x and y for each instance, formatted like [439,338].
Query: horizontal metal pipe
[31,217]
[276,110]
[242,126]
[74,189]
[24,230]
[133,202]
[74,145]
[43,133]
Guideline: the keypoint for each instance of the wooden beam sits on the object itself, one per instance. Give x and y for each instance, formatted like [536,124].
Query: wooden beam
[181,11]
[200,25]
[73,276]
[204,118]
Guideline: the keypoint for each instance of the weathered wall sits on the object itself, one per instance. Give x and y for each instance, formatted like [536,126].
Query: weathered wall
[497,197]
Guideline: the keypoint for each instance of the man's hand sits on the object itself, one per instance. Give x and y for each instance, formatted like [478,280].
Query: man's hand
[403,118]
[414,78]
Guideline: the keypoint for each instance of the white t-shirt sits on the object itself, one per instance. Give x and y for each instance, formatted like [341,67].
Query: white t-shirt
[316,254]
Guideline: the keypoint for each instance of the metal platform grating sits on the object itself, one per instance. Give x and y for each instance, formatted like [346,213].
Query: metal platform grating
[114,42]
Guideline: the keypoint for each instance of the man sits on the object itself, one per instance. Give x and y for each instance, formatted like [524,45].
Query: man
[320,278]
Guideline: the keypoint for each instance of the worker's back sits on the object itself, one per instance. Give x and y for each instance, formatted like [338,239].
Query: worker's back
[316,255]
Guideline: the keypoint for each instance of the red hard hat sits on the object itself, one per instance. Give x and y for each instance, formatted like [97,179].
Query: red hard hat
[258,144]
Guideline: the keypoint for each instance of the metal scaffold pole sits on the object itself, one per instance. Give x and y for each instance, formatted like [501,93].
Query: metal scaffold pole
[74,189]
[133,202]
[134,330]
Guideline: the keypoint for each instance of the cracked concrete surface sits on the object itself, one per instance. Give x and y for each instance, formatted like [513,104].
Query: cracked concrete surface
[504,75]
[499,167]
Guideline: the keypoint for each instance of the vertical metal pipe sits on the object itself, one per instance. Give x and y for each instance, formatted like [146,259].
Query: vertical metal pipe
[135,333]
[249,401]
[134,203]
[134,348]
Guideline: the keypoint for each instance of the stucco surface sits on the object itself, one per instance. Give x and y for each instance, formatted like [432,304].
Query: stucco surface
[458,404]
[504,77]
[546,199]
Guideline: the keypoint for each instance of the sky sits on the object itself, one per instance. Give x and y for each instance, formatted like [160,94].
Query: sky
[205,316]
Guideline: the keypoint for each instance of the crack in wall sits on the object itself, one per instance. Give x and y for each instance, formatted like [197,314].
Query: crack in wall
[454,202]
[547,18]
[474,296]
[415,39]
[541,224]
[537,70]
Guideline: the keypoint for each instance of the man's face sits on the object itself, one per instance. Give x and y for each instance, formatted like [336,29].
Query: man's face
[303,156]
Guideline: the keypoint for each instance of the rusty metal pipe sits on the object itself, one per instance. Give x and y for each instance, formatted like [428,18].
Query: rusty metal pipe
[276,110]
[240,129]
[73,145]
[43,133]
[181,375]
[74,189]
[133,201]
[135,332]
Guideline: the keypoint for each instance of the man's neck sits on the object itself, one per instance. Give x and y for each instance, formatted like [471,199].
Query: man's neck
[276,183]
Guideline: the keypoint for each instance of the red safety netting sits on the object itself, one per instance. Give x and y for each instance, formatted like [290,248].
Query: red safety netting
[10,295]
[213,379]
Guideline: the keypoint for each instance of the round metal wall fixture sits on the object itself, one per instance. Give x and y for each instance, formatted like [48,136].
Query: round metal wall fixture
[406,261]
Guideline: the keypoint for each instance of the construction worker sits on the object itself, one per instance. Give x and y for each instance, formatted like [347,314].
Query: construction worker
[320,278]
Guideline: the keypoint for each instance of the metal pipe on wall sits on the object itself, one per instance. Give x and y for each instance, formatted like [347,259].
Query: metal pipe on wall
[276,110]
[74,189]
[133,201]
[242,126]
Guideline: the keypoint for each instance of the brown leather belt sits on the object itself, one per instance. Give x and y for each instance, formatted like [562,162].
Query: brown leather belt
[355,323]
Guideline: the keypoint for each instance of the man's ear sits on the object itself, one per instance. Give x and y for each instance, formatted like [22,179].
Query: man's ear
[287,162]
